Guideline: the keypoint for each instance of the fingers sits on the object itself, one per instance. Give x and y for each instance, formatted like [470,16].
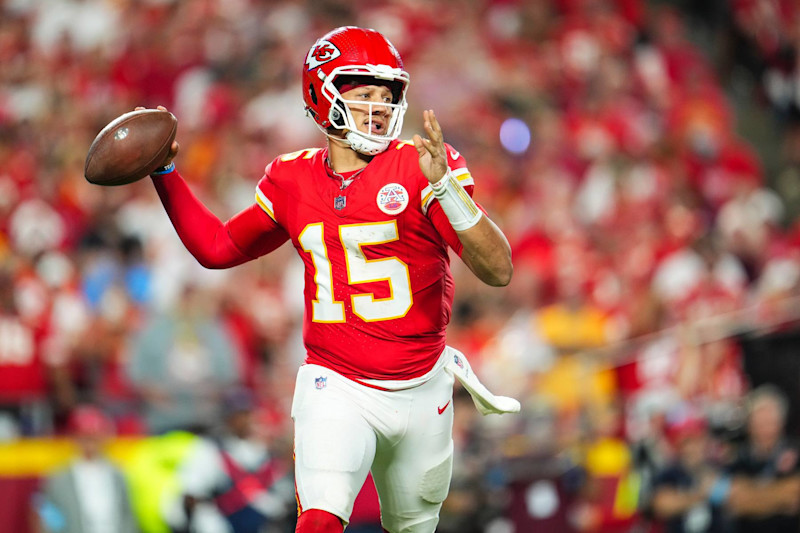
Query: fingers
[425,145]
[173,149]
[434,144]
[432,148]
[418,144]
[432,127]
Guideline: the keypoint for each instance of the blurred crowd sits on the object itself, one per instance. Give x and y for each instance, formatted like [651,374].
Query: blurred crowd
[646,234]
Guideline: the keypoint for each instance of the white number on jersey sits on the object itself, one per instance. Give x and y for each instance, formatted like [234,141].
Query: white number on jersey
[325,308]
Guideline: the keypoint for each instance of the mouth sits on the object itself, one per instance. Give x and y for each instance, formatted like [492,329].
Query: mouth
[376,126]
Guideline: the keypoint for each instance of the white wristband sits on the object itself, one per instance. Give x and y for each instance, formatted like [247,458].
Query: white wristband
[456,203]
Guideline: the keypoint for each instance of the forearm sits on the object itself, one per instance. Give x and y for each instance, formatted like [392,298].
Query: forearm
[470,232]
[669,502]
[203,234]
[748,498]
[486,252]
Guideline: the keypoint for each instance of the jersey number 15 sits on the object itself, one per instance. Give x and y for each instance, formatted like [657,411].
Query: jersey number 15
[325,308]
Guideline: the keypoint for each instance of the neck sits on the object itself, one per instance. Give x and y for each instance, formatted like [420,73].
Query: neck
[344,159]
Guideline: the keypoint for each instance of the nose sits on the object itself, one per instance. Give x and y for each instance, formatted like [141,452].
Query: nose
[379,108]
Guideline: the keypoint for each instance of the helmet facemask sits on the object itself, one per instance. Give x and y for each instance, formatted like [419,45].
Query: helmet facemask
[340,117]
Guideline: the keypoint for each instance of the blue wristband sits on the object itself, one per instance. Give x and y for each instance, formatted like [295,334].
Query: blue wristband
[720,490]
[164,170]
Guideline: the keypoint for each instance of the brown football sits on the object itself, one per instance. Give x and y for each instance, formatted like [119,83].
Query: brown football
[130,147]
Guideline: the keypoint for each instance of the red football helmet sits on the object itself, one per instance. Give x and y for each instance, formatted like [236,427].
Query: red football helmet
[340,56]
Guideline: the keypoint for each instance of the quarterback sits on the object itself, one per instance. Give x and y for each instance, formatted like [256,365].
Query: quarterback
[372,218]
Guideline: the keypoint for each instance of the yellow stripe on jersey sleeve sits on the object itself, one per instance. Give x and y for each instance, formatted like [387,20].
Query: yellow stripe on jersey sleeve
[461,174]
[265,204]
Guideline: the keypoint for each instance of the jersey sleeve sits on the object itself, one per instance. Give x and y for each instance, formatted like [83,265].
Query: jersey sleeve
[431,207]
[266,192]
[215,244]
[254,233]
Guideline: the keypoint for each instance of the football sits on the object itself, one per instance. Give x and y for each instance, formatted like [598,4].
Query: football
[130,147]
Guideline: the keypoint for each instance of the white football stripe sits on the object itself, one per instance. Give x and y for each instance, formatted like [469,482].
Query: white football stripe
[265,203]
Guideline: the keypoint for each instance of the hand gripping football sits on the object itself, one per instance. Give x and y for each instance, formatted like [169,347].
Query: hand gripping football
[130,147]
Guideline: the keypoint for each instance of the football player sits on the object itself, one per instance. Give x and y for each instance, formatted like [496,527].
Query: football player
[372,218]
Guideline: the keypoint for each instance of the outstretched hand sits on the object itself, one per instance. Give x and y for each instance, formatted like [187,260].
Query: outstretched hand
[431,150]
[173,150]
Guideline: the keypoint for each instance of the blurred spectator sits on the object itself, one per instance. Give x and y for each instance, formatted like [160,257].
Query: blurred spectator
[181,363]
[90,495]
[765,38]
[609,499]
[687,494]
[765,477]
[152,473]
[30,364]
[571,324]
[542,495]
[748,223]
[233,482]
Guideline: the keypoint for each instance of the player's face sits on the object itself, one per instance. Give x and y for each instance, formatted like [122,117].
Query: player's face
[372,116]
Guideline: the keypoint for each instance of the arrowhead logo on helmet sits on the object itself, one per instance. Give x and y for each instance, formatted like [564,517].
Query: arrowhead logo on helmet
[322,52]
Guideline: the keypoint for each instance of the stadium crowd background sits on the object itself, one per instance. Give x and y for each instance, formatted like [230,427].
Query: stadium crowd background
[643,159]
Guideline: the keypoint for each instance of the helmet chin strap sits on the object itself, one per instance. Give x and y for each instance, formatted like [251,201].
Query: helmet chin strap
[358,143]
[365,146]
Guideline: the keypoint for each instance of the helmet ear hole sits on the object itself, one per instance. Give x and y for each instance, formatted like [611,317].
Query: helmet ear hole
[337,119]
[312,93]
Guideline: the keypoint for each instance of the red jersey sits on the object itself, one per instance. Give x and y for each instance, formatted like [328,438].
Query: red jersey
[378,288]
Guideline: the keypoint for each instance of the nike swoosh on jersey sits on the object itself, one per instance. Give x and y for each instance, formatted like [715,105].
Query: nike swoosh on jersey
[441,409]
[454,154]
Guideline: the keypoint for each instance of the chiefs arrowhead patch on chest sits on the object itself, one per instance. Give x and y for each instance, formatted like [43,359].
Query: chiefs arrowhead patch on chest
[392,199]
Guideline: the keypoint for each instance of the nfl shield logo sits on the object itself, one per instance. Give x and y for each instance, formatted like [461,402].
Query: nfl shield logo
[321,382]
[339,202]
[458,361]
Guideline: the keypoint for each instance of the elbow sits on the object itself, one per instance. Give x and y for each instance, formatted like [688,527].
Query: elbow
[505,276]
[209,263]
[504,270]
[501,275]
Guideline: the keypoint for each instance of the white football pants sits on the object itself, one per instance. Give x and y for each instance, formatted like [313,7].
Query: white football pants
[344,429]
